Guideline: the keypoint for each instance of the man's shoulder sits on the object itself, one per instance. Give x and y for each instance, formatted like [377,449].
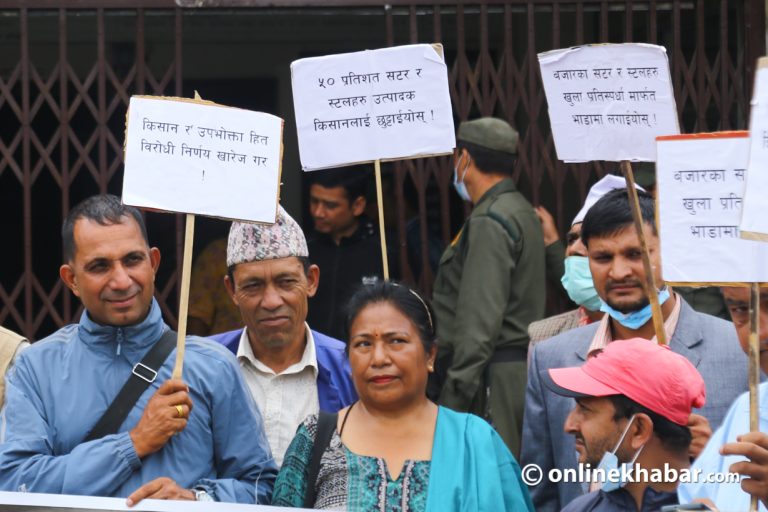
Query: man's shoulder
[55,341]
[229,339]
[567,343]
[584,502]
[209,349]
[553,325]
[8,337]
[328,345]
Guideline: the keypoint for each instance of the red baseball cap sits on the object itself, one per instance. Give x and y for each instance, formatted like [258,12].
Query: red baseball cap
[648,373]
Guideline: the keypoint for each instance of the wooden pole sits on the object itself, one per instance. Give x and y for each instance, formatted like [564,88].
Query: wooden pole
[754,367]
[382,233]
[650,282]
[186,271]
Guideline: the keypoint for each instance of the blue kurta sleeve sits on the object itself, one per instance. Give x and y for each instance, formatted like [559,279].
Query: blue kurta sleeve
[236,421]
[28,459]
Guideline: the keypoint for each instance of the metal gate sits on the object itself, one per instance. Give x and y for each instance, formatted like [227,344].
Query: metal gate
[65,84]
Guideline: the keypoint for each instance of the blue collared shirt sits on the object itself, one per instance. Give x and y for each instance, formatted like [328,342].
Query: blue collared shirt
[60,387]
[729,497]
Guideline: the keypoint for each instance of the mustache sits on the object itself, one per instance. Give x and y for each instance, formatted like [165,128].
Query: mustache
[118,295]
[610,283]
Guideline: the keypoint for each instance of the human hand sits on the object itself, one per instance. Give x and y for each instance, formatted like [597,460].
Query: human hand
[701,432]
[166,414]
[162,488]
[753,446]
[547,225]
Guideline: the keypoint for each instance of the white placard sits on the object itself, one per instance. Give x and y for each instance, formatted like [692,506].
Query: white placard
[383,104]
[205,159]
[609,101]
[754,222]
[700,186]
[29,501]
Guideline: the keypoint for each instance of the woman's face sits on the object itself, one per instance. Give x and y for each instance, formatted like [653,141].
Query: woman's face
[389,364]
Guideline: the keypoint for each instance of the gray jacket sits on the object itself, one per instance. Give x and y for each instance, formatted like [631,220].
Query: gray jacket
[708,342]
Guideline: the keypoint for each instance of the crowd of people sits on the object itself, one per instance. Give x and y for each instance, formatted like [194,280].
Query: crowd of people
[342,390]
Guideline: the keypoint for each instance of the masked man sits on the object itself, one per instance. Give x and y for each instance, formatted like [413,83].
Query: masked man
[490,283]
[615,262]
[633,401]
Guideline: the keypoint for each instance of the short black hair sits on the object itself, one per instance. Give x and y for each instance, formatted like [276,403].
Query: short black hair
[104,209]
[489,160]
[612,213]
[404,299]
[354,180]
[303,259]
[673,437]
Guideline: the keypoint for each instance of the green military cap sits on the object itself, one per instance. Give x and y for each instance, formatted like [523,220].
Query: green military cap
[489,133]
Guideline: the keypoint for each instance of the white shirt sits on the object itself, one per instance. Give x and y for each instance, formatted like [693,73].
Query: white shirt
[284,399]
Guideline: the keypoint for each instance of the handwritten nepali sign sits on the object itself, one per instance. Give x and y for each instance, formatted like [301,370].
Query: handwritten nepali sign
[202,158]
[372,105]
[754,221]
[608,102]
[701,183]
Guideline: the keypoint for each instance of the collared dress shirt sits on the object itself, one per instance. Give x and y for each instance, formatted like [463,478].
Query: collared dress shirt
[284,398]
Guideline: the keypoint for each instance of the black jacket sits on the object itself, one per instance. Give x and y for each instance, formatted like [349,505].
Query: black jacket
[343,268]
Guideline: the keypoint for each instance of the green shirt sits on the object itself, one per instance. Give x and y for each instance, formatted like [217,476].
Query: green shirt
[490,285]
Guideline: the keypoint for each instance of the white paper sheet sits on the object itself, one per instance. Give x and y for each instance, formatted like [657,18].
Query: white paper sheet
[203,159]
[700,186]
[754,222]
[378,104]
[608,102]
[18,501]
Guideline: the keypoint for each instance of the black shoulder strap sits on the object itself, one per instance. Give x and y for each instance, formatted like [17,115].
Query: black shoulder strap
[144,373]
[326,424]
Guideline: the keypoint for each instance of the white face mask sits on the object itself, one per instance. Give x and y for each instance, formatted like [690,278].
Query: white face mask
[459,185]
[610,463]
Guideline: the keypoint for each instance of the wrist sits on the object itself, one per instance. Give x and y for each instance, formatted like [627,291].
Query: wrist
[201,493]
[138,446]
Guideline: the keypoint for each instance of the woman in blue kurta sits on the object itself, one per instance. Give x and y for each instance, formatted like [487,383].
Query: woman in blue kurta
[394,450]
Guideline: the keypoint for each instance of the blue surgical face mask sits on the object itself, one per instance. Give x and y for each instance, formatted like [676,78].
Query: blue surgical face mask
[610,462]
[458,184]
[635,319]
[577,281]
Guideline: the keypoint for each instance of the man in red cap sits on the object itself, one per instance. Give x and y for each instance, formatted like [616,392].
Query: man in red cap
[633,401]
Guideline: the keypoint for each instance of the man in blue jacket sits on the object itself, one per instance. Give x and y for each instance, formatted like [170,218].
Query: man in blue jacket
[200,438]
[291,370]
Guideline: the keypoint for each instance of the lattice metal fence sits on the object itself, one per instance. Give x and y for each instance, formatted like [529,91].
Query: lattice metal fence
[65,81]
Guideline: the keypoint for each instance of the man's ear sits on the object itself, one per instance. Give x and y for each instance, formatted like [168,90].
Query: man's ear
[313,280]
[642,431]
[230,286]
[358,206]
[67,274]
[154,258]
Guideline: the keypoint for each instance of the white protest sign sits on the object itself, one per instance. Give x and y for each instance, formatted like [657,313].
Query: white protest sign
[754,222]
[373,105]
[700,185]
[205,159]
[609,101]
[32,501]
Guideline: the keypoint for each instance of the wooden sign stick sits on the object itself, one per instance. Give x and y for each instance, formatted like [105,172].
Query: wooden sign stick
[650,283]
[382,233]
[754,367]
[186,271]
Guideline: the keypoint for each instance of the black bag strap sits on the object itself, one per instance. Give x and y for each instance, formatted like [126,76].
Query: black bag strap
[326,424]
[143,374]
